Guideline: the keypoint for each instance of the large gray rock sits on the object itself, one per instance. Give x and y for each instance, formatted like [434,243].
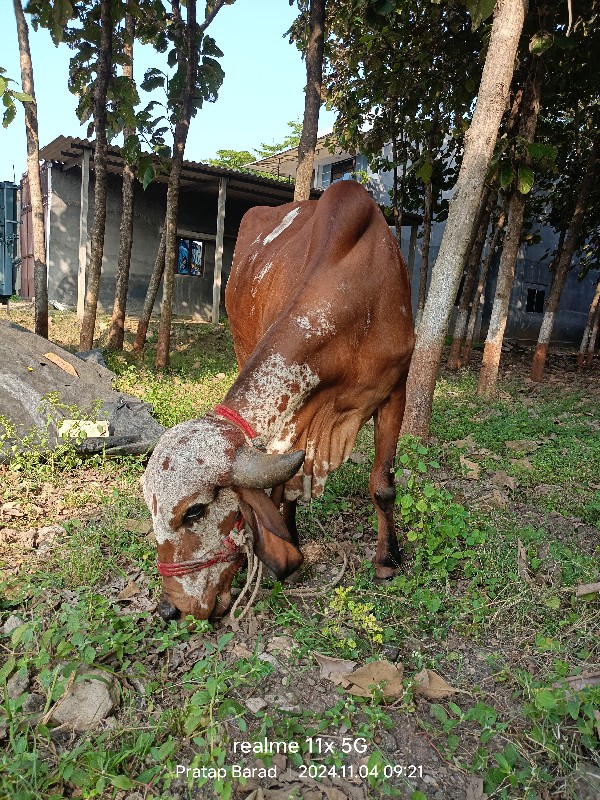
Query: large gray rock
[29,381]
[88,701]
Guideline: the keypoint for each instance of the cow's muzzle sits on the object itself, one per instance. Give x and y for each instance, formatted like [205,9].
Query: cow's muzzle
[167,610]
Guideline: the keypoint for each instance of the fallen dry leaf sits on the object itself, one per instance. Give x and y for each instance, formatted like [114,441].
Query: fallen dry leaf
[597,718]
[472,468]
[257,794]
[11,509]
[522,445]
[278,644]
[62,364]
[376,673]
[501,479]
[494,499]
[524,463]
[468,442]
[333,666]
[334,794]
[129,591]
[584,681]
[241,651]
[431,685]
[587,588]
[137,525]
[522,567]
[475,789]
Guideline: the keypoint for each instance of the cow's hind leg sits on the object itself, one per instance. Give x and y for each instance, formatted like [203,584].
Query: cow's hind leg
[388,419]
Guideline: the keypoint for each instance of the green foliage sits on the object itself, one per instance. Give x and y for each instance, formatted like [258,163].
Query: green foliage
[291,140]
[440,528]
[232,159]
[9,95]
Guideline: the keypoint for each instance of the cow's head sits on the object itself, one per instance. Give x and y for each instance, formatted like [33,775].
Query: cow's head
[202,475]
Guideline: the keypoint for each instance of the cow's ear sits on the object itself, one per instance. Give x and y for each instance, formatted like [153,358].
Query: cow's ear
[273,544]
[281,557]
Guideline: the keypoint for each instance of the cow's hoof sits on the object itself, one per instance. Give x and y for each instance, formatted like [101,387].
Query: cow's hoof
[385,573]
[167,610]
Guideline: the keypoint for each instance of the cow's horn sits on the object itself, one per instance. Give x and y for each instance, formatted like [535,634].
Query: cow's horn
[255,470]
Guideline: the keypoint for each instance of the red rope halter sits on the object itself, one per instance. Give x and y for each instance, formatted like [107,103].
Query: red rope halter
[231,415]
[229,552]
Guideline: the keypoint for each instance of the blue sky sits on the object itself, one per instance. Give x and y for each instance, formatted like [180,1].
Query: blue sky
[263,88]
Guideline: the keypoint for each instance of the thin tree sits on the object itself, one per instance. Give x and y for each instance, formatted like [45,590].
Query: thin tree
[582,358]
[473,262]
[565,260]
[593,337]
[477,298]
[116,333]
[188,62]
[480,140]
[150,299]
[104,70]
[488,376]
[312,99]
[40,273]
[426,174]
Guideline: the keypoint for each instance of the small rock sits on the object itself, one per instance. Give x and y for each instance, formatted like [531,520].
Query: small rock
[11,624]
[586,781]
[87,702]
[390,652]
[16,685]
[34,703]
[255,704]
[93,356]
[269,658]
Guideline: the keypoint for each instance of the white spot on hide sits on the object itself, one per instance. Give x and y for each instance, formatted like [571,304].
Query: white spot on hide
[285,222]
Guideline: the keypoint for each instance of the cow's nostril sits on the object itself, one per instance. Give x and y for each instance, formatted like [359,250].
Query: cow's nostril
[167,610]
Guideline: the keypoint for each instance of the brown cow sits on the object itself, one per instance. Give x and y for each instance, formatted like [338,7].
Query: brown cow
[319,306]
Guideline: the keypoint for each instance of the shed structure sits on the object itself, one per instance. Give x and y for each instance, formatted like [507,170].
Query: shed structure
[212,203]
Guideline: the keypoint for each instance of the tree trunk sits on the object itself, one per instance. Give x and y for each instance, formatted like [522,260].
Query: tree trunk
[116,334]
[179,142]
[593,336]
[40,273]
[488,377]
[193,33]
[477,299]
[564,262]
[312,100]
[398,189]
[592,315]
[478,242]
[480,140]
[104,68]
[427,219]
[153,286]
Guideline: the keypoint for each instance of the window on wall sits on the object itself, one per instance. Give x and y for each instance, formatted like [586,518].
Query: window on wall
[342,171]
[190,256]
[535,301]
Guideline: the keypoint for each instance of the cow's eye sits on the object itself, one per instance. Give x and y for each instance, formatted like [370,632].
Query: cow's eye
[194,512]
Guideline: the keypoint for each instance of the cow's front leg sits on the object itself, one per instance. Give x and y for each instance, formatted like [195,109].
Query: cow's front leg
[388,419]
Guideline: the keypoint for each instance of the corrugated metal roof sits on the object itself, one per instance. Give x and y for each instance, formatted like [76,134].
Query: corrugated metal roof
[67,151]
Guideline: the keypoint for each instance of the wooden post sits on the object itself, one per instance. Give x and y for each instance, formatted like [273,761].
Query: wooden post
[219,250]
[83,233]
